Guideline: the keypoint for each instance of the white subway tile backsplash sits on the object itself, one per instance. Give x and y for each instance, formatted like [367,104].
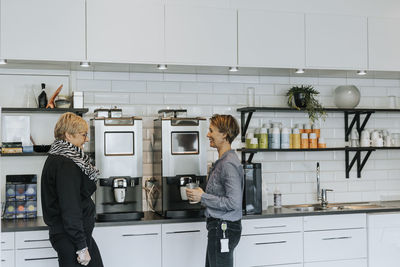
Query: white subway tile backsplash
[180,77]
[213,99]
[303,80]
[196,87]
[275,79]
[238,100]
[147,98]
[387,82]
[84,75]
[128,86]
[212,78]
[98,75]
[163,87]
[360,82]
[361,185]
[185,99]
[111,98]
[243,79]
[273,101]
[229,88]
[146,76]
[331,81]
[93,85]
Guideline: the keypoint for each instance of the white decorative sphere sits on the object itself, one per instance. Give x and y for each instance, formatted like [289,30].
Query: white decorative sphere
[347,96]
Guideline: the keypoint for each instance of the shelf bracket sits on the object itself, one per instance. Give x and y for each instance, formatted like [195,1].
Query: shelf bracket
[244,123]
[251,155]
[357,157]
[356,119]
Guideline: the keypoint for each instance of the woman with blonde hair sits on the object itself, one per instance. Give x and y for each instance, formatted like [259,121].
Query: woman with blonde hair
[224,194]
[68,181]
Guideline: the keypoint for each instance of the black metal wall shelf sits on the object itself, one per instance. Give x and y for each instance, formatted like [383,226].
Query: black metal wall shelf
[355,121]
[78,111]
[30,154]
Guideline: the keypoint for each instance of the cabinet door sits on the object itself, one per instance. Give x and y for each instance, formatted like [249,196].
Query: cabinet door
[184,244]
[201,36]
[335,245]
[32,239]
[42,257]
[336,41]
[7,258]
[7,241]
[269,249]
[384,240]
[125,31]
[345,263]
[43,29]
[384,43]
[267,39]
[138,245]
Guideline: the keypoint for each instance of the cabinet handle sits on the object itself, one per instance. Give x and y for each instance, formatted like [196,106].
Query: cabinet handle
[183,232]
[337,238]
[270,243]
[35,240]
[268,227]
[2,260]
[3,242]
[127,235]
[40,259]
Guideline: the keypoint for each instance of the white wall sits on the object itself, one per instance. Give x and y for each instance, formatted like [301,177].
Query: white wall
[143,94]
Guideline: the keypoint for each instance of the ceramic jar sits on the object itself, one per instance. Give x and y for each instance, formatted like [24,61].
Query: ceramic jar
[347,96]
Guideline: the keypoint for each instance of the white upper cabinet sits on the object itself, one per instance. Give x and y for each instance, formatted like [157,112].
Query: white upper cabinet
[201,36]
[43,29]
[270,39]
[125,31]
[384,44]
[336,41]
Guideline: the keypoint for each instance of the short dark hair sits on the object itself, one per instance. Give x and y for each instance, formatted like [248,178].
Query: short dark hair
[226,124]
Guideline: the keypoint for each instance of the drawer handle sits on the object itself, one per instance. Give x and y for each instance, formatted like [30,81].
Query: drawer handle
[37,240]
[40,259]
[183,232]
[270,243]
[337,238]
[268,227]
[127,235]
[3,242]
[2,260]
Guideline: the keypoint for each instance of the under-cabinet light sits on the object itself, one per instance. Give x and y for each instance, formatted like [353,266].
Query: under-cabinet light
[233,69]
[85,64]
[299,71]
[361,72]
[162,67]
[3,61]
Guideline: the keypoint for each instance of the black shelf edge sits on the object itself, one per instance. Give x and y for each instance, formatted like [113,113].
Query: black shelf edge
[23,154]
[253,109]
[249,150]
[44,110]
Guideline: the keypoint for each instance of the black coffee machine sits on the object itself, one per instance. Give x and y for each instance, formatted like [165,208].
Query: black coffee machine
[179,158]
[252,195]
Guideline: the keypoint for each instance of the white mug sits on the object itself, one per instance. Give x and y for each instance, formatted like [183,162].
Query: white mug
[365,134]
[183,193]
[375,135]
[354,143]
[192,186]
[378,142]
[387,141]
[119,194]
[354,134]
[365,142]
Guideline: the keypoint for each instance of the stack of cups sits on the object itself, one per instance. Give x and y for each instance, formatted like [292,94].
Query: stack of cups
[285,138]
[275,138]
[249,137]
[263,138]
[312,141]
[296,138]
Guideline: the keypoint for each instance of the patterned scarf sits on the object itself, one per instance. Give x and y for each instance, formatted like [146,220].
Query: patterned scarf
[68,150]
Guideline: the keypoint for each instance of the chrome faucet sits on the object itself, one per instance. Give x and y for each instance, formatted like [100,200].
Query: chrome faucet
[322,196]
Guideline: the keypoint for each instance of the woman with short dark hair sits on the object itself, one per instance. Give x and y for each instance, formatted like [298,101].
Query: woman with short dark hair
[68,181]
[224,194]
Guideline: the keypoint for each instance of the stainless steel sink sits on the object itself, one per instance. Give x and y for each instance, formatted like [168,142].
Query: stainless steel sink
[333,206]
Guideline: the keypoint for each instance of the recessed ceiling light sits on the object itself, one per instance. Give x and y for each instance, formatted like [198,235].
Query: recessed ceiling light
[162,67]
[233,69]
[299,71]
[85,64]
[3,61]
[361,72]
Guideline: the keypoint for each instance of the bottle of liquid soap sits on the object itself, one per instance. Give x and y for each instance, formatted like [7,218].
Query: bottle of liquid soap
[42,98]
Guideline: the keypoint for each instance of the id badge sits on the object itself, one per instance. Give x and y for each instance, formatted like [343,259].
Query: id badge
[224,245]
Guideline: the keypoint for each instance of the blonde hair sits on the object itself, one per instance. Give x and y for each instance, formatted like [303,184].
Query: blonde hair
[69,123]
[226,124]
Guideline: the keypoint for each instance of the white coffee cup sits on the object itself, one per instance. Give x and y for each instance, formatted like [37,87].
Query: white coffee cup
[354,143]
[377,142]
[119,194]
[354,134]
[387,141]
[365,142]
[183,193]
[375,135]
[365,134]
[192,186]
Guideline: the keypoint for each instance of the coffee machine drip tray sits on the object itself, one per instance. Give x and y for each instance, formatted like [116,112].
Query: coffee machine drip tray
[119,216]
[176,214]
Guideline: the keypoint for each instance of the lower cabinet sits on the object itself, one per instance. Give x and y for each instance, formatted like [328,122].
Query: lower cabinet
[270,242]
[384,240]
[7,249]
[137,245]
[184,244]
[7,258]
[335,240]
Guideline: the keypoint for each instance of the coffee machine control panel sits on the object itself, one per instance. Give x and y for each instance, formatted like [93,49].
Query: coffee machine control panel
[130,181]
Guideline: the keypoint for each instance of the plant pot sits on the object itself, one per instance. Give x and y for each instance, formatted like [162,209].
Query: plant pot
[300,100]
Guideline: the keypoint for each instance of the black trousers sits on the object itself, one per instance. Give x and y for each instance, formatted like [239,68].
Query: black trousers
[67,253]
[216,258]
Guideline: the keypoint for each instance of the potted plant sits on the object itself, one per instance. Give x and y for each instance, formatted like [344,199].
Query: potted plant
[303,97]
